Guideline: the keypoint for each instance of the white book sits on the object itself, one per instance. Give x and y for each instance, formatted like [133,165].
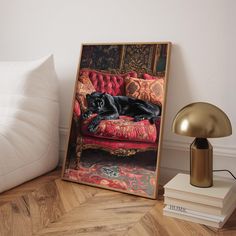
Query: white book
[212,210]
[197,214]
[200,219]
[217,195]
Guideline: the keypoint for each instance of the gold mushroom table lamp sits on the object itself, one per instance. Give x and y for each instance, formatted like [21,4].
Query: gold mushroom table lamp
[201,120]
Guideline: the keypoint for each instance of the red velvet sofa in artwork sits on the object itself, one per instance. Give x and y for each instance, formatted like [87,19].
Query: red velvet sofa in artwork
[122,137]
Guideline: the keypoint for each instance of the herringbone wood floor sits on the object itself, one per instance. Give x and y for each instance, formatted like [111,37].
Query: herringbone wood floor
[50,206]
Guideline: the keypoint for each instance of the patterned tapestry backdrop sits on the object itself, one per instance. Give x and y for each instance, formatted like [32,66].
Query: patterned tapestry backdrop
[142,58]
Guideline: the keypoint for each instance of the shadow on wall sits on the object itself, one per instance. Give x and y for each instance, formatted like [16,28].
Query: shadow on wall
[175,158]
[66,84]
[179,90]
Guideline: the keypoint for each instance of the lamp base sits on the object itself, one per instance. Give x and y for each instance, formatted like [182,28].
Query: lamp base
[201,163]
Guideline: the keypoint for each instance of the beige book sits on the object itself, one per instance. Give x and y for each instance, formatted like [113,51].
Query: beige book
[217,195]
[196,218]
[203,207]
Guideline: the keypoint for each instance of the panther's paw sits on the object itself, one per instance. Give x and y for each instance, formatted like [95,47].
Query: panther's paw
[85,115]
[138,118]
[92,128]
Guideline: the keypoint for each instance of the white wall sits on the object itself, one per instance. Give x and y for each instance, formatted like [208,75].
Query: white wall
[203,64]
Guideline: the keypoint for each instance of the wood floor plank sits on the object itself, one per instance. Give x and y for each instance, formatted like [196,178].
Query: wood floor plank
[155,223]
[15,218]
[45,206]
[107,212]
[29,186]
[73,194]
[31,212]
[36,209]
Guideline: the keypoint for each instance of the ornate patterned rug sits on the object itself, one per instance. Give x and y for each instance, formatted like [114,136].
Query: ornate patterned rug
[133,174]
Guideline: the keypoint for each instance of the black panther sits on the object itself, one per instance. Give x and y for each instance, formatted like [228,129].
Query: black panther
[110,107]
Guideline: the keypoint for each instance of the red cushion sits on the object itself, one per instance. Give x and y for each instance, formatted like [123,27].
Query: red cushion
[106,82]
[123,129]
[147,90]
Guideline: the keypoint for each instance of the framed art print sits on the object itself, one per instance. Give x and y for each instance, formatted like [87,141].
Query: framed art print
[117,117]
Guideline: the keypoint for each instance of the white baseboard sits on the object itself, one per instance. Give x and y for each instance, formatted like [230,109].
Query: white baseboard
[229,151]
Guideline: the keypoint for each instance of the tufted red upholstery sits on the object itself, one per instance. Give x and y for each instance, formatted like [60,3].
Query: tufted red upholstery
[108,83]
[123,129]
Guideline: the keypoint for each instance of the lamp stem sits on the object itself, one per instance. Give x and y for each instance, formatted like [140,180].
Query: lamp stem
[201,163]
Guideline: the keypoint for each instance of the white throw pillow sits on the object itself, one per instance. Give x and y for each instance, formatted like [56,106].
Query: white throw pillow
[29,114]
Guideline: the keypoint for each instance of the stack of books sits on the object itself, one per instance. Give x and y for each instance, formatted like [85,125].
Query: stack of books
[209,206]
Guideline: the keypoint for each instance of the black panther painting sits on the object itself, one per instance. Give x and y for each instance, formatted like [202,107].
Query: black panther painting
[110,107]
[117,117]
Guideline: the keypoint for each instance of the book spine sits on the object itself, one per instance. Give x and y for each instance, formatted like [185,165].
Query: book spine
[188,212]
[192,219]
[195,206]
[194,197]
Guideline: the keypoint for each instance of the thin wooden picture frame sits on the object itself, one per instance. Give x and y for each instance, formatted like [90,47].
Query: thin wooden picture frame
[100,61]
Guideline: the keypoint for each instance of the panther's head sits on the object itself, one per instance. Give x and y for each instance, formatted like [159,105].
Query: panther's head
[95,101]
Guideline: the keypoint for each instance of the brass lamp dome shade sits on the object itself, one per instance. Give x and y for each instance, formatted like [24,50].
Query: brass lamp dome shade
[201,120]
